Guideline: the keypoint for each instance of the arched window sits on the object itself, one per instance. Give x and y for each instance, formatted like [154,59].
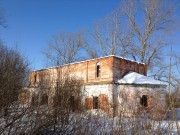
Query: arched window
[144,100]
[98,69]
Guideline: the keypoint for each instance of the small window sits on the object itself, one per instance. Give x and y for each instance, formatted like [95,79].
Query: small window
[72,103]
[143,101]
[44,100]
[34,100]
[95,103]
[98,69]
[35,78]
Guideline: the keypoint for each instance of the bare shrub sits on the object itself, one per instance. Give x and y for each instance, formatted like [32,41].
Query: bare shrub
[13,72]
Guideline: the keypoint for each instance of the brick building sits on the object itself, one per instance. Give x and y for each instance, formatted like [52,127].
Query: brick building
[107,84]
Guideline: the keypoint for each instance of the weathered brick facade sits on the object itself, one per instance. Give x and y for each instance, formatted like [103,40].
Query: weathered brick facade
[111,69]
[99,77]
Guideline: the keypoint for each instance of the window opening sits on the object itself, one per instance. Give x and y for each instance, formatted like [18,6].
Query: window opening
[72,103]
[143,100]
[35,78]
[98,70]
[95,102]
[34,100]
[44,100]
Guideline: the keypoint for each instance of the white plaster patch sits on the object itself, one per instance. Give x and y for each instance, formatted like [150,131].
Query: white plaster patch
[96,90]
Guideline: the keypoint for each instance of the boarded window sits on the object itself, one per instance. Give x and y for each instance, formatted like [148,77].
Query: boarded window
[144,100]
[98,69]
[88,103]
[103,102]
[24,97]
[95,102]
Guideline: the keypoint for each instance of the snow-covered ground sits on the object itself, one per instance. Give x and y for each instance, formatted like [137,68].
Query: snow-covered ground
[94,122]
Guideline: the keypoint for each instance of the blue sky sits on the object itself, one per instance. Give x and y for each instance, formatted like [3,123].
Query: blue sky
[32,23]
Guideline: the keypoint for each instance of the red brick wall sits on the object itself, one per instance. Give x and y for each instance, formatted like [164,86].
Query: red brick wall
[85,71]
[122,66]
[111,68]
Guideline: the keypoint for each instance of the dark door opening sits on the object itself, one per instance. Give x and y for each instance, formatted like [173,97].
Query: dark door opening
[143,101]
[95,102]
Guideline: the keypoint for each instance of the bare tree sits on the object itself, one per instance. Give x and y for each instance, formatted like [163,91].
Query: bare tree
[140,30]
[60,98]
[110,36]
[151,22]
[14,70]
[65,48]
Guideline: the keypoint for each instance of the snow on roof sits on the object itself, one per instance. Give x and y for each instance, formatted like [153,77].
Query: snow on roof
[136,78]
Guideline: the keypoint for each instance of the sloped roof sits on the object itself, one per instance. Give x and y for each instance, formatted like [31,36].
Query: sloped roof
[136,78]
